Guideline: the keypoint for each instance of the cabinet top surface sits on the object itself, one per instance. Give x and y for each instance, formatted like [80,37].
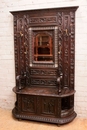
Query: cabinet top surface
[46,9]
[43,91]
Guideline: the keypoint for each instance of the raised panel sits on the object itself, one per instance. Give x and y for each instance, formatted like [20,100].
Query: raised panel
[28,103]
[49,106]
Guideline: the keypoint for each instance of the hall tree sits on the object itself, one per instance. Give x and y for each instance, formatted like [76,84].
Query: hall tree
[44,43]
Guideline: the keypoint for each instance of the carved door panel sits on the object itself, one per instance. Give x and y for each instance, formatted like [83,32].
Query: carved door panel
[29,104]
[50,106]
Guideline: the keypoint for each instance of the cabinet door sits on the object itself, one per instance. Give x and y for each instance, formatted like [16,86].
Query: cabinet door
[29,104]
[50,106]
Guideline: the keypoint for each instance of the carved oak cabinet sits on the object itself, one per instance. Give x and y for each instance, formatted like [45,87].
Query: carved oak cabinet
[44,43]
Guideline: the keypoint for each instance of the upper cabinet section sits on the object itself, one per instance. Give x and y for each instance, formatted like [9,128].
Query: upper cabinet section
[46,38]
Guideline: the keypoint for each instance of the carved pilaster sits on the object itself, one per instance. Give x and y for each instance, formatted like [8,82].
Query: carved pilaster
[66,19]
[72,48]
[16,49]
[26,47]
[60,46]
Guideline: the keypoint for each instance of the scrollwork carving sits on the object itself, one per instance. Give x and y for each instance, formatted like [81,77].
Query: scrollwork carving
[45,19]
[43,72]
[43,82]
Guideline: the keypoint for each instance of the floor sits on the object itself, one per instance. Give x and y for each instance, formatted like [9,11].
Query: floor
[7,122]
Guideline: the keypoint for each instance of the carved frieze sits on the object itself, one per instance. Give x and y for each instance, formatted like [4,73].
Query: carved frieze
[42,20]
[43,82]
[43,72]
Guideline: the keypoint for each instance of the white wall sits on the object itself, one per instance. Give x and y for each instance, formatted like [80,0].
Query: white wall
[7,74]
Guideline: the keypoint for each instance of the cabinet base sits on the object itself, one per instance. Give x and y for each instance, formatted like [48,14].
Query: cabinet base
[58,121]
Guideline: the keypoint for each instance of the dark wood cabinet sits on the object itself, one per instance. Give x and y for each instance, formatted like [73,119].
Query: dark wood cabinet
[44,43]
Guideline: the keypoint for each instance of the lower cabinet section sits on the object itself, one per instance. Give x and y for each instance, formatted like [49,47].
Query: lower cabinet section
[44,108]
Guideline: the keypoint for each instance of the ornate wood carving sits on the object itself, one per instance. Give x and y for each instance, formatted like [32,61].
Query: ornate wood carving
[60,47]
[66,49]
[29,104]
[41,20]
[45,119]
[48,106]
[43,82]
[51,31]
[45,88]
[26,45]
[16,46]
[21,47]
[50,72]
[72,48]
